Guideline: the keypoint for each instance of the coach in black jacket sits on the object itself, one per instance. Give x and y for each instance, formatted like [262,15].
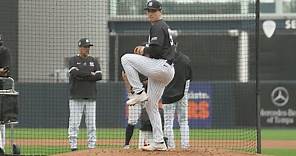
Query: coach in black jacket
[84,72]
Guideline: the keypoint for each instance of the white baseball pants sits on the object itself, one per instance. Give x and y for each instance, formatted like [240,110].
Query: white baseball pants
[181,109]
[145,138]
[134,113]
[159,75]
[77,107]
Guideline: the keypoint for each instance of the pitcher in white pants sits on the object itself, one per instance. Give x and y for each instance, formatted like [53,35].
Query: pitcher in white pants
[159,74]
[155,61]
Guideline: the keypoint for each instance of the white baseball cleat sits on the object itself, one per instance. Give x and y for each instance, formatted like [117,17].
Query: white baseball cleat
[126,147]
[137,98]
[155,147]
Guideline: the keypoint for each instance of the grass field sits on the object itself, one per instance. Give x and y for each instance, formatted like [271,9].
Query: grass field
[279,134]
[43,134]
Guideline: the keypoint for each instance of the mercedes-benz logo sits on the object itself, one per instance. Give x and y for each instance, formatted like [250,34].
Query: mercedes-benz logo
[279,96]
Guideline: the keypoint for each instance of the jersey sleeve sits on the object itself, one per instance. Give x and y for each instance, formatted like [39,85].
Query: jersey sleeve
[156,36]
[5,57]
[97,71]
[156,42]
[189,71]
[73,69]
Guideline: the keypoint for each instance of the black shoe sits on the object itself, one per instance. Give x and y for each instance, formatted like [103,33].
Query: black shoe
[74,149]
[1,152]
[16,150]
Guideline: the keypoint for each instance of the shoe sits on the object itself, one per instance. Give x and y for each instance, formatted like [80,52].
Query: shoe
[126,147]
[74,149]
[137,98]
[155,147]
[16,150]
[185,148]
[1,151]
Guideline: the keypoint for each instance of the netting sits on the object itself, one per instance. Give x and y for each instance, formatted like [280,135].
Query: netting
[219,36]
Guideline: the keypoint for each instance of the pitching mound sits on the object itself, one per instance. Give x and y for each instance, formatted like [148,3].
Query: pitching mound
[134,152]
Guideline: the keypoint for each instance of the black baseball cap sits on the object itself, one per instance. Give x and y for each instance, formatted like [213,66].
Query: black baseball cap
[153,5]
[84,42]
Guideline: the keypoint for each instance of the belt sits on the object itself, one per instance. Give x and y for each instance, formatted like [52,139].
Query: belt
[170,62]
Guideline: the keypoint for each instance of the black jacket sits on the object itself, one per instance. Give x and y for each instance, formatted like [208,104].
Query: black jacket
[174,91]
[84,72]
[4,60]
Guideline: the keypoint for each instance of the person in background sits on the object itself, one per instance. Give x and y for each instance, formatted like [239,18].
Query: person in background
[84,72]
[134,111]
[4,72]
[175,101]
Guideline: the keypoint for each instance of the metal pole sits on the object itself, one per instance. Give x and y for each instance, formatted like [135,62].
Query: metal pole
[243,57]
[257,76]
[116,57]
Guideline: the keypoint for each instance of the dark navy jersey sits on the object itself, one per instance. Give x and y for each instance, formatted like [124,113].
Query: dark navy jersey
[160,42]
[84,72]
[4,60]
[174,91]
[4,57]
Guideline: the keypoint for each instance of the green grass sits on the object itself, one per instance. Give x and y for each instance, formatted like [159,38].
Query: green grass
[119,133]
[279,152]
[278,134]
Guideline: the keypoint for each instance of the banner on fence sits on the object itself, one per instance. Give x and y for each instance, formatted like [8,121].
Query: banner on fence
[278,105]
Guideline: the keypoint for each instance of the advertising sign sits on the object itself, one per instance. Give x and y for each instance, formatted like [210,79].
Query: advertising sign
[278,105]
[199,105]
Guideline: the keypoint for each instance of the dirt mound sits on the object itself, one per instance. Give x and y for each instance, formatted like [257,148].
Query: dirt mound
[136,152]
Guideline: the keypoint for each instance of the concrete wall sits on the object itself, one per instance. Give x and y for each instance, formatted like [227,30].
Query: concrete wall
[49,31]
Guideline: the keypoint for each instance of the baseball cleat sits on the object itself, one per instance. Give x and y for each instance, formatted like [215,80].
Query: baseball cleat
[74,149]
[155,147]
[137,98]
[126,147]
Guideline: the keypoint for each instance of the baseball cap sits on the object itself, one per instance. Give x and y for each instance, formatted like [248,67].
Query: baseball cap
[84,42]
[153,5]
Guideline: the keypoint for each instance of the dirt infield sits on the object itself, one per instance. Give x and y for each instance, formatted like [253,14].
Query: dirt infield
[199,152]
[215,143]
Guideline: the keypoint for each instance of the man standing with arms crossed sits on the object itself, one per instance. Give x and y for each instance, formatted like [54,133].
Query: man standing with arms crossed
[157,65]
[84,72]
